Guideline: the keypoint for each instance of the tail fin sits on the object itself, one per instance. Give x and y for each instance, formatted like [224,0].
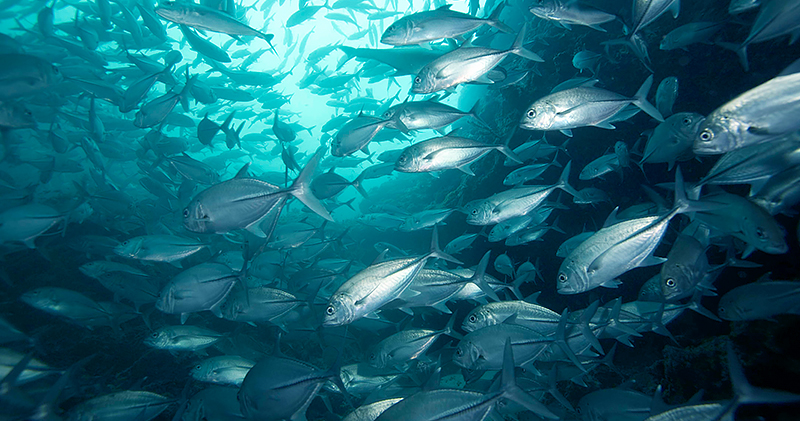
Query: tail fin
[563,181]
[448,329]
[437,253]
[479,277]
[514,392]
[301,187]
[746,393]
[494,20]
[473,112]
[740,50]
[518,49]
[640,100]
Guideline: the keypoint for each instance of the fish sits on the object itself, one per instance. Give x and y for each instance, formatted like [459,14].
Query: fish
[583,106]
[399,349]
[567,13]
[761,300]
[685,267]
[436,24]
[158,248]
[199,288]
[127,403]
[754,116]
[224,370]
[379,283]
[691,33]
[646,12]
[444,153]
[430,114]
[672,139]
[22,75]
[466,64]
[208,19]
[242,203]
[618,248]
[182,338]
[666,93]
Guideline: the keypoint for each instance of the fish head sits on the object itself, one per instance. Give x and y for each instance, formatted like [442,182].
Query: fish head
[539,116]
[424,82]
[499,232]
[129,248]
[398,33]
[676,279]
[158,339]
[570,280]
[590,171]
[170,10]
[717,134]
[378,358]
[479,213]
[38,298]
[730,308]
[545,9]
[339,311]
[765,234]
[195,217]
[467,355]
[408,161]
[200,371]
[479,317]
[16,116]
[91,269]
[409,224]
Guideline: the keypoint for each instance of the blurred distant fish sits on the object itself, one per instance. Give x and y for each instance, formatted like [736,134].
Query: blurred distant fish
[672,139]
[22,75]
[760,300]
[691,33]
[567,13]
[666,93]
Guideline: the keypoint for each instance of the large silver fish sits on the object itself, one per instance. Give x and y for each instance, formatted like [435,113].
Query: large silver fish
[584,106]
[242,203]
[445,153]
[437,24]
[466,64]
[757,115]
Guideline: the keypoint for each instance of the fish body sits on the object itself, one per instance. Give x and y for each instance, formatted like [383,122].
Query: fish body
[466,64]
[224,370]
[567,13]
[436,24]
[666,93]
[532,316]
[685,267]
[583,106]
[205,18]
[746,221]
[444,153]
[760,300]
[672,139]
[199,288]
[182,338]
[141,405]
[158,248]
[25,223]
[371,288]
[647,11]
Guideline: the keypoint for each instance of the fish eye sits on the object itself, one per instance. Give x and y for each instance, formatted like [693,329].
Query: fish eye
[562,277]
[706,135]
[531,113]
[670,283]
[459,352]
[330,310]
[154,335]
[371,356]
[186,213]
[687,121]
[474,212]
[197,367]
[721,309]
[473,319]
[418,80]
[760,233]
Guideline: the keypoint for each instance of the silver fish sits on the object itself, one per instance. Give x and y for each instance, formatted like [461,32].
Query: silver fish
[225,369]
[567,13]
[672,139]
[437,24]
[760,300]
[445,153]
[583,106]
[666,93]
[466,64]
[755,116]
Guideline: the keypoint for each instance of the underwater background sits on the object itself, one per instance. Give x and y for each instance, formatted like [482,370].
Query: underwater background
[89,167]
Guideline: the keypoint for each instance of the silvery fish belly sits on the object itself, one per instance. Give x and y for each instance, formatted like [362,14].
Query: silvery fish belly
[230,205]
